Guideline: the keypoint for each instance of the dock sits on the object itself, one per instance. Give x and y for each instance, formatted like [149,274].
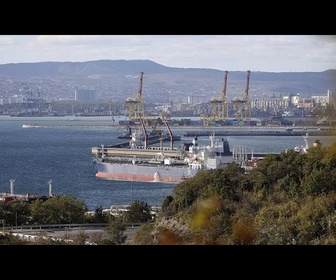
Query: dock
[259,132]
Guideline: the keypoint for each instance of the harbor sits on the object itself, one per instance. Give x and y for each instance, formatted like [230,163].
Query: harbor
[33,156]
[192,131]
[180,131]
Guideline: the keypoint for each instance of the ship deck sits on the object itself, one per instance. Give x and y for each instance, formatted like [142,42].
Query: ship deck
[96,151]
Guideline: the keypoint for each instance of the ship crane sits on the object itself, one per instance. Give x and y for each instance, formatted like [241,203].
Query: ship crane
[243,106]
[144,132]
[170,134]
[136,105]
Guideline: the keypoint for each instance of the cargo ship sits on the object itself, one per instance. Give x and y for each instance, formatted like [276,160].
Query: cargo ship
[144,163]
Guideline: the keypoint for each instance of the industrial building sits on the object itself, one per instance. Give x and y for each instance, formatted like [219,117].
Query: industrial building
[85,95]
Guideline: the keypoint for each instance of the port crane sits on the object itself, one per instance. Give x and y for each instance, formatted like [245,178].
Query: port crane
[136,105]
[243,106]
[220,108]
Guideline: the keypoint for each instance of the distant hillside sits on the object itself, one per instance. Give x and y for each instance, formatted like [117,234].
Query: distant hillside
[120,78]
[118,68]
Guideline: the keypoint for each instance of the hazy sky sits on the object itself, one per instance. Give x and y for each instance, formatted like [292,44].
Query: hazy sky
[267,53]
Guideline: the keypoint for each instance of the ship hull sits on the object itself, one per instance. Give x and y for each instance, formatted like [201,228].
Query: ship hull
[135,172]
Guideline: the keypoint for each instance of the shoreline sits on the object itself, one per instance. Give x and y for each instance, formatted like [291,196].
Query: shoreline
[193,131]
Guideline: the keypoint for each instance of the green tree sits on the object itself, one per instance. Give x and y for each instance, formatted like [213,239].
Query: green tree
[138,212]
[13,214]
[166,207]
[319,181]
[115,232]
[99,216]
[21,213]
[144,235]
[226,182]
[187,192]
[58,210]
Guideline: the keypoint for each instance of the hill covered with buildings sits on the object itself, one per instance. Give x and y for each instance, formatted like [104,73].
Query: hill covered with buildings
[185,90]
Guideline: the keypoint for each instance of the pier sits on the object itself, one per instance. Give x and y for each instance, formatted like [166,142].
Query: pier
[262,131]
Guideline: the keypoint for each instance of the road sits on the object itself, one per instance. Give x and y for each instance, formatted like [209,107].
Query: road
[69,233]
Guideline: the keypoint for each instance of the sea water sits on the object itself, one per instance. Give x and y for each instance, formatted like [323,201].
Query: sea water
[58,150]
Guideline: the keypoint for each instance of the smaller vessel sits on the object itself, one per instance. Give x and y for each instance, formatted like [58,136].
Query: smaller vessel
[29,125]
[303,149]
[127,134]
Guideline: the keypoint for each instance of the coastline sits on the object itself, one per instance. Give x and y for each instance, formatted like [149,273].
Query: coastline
[192,131]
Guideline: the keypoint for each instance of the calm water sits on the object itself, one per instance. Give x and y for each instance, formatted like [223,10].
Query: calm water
[60,151]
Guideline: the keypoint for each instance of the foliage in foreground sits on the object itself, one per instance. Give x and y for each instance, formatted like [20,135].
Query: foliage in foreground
[69,210]
[287,199]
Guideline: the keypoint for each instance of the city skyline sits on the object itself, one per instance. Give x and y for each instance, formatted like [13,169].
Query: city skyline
[264,53]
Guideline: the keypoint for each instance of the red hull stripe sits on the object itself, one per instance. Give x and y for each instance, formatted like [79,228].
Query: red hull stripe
[138,177]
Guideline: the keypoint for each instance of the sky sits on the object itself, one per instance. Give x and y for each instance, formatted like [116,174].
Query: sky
[265,53]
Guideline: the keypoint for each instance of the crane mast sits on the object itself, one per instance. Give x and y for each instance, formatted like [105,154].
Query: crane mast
[243,106]
[136,105]
[247,86]
[246,98]
[224,105]
[224,89]
[220,108]
[139,94]
[139,110]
